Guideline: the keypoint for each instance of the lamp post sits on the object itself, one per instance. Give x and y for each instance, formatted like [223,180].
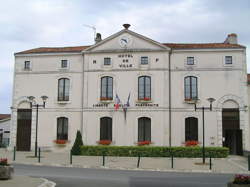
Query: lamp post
[34,104]
[211,100]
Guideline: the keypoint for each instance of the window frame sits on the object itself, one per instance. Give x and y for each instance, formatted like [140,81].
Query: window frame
[226,60]
[188,60]
[62,64]
[106,128]
[143,60]
[107,87]
[64,135]
[27,65]
[64,97]
[190,88]
[144,124]
[105,61]
[191,123]
[145,97]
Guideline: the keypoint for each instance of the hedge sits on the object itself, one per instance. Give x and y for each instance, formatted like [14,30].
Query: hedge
[153,151]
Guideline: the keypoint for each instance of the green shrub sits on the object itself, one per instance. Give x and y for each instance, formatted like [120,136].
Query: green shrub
[153,151]
[76,149]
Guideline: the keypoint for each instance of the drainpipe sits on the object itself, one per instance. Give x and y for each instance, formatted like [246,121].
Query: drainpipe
[81,125]
[169,98]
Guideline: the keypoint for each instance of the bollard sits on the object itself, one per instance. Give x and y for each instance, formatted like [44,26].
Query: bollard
[70,157]
[248,162]
[14,154]
[39,154]
[210,162]
[172,160]
[138,162]
[103,160]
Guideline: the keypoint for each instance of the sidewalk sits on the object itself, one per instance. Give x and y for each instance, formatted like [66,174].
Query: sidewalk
[232,164]
[24,181]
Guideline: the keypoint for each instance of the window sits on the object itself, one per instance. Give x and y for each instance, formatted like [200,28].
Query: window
[191,129]
[190,60]
[107,61]
[144,60]
[63,89]
[64,63]
[144,129]
[106,88]
[144,88]
[228,60]
[62,128]
[191,90]
[106,128]
[27,65]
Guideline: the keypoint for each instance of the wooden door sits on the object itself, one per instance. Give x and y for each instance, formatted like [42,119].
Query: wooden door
[23,139]
[233,140]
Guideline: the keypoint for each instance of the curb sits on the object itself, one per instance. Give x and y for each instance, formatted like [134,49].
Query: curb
[47,183]
[136,169]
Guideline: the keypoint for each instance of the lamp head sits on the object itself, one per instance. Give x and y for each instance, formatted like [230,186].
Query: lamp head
[31,98]
[211,100]
[44,98]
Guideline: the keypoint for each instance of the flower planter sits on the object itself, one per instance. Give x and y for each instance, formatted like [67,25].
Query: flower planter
[6,172]
[104,142]
[230,184]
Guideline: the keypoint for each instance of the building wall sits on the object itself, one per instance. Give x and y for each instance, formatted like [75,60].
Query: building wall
[84,110]
[42,79]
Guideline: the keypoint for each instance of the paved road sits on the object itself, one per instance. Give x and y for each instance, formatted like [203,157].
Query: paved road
[80,177]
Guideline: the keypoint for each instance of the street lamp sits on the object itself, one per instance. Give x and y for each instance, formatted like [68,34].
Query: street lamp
[34,104]
[211,100]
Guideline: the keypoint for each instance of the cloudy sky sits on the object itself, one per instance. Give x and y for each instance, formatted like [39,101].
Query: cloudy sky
[35,23]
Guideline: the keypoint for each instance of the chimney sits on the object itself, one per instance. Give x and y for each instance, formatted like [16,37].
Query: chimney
[126,25]
[231,39]
[98,37]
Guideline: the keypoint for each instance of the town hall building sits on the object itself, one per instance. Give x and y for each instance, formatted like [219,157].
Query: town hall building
[127,89]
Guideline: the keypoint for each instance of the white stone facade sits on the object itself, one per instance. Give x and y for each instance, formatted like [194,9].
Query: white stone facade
[226,83]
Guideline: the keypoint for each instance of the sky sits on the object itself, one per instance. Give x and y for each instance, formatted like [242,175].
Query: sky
[53,23]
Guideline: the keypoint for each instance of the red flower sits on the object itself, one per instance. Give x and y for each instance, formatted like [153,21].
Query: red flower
[191,143]
[241,179]
[104,142]
[145,99]
[60,141]
[3,161]
[144,143]
[105,98]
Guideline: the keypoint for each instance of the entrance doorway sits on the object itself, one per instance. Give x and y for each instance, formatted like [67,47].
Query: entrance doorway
[231,132]
[23,139]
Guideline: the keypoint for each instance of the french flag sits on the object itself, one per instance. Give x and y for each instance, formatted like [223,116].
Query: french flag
[117,102]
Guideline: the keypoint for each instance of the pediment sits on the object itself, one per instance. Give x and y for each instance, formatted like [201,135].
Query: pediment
[127,40]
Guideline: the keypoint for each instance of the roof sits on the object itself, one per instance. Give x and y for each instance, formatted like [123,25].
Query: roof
[203,45]
[4,116]
[170,45]
[54,50]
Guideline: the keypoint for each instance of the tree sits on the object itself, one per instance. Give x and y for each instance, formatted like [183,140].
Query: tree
[76,149]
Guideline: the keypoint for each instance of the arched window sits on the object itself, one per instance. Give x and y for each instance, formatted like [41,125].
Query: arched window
[144,129]
[106,88]
[144,88]
[191,89]
[62,128]
[106,128]
[63,89]
[191,129]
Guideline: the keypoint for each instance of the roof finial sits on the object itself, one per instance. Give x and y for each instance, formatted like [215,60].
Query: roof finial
[126,25]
